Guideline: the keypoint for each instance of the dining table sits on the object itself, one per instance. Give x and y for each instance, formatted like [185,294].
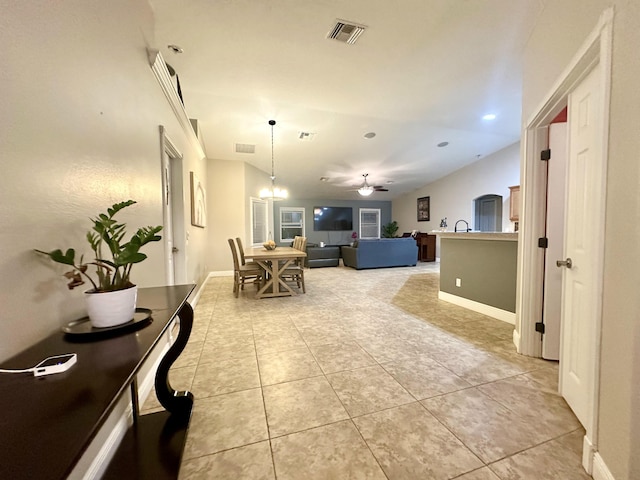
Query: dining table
[274,263]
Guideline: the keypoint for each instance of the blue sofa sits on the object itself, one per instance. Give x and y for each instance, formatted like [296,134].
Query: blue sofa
[383,252]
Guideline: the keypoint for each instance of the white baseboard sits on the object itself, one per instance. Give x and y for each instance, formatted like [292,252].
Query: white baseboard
[516,339]
[600,469]
[93,463]
[588,452]
[222,273]
[488,310]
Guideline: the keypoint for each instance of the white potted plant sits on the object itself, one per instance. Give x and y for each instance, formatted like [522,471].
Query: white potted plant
[112,300]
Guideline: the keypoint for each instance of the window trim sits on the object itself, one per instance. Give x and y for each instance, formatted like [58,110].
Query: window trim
[265,233]
[302,223]
[369,210]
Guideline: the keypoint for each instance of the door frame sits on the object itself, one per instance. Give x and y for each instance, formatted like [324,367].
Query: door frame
[597,49]
[173,210]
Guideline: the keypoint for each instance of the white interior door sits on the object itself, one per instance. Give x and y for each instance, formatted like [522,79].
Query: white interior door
[581,295]
[167,232]
[172,210]
[556,188]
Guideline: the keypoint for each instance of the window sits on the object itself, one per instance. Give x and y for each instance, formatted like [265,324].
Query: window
[291,223]
[259,221]
[369,223]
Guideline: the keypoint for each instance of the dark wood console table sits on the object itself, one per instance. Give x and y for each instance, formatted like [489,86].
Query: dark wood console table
[426,247]
[47,422]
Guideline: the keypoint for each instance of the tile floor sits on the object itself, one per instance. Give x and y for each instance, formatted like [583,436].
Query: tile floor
[367,376]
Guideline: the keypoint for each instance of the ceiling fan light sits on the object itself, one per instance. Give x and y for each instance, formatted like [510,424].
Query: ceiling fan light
[366,190]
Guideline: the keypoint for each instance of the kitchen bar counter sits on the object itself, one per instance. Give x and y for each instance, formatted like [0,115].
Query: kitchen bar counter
[478,272]
[513,237]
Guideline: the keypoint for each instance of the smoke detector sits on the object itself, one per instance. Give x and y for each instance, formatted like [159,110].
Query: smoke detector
[346,32]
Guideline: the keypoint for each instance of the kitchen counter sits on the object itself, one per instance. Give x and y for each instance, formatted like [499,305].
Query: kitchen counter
[512,237]
[478,272]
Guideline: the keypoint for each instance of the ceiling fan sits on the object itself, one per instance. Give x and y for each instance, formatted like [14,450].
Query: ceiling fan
[365,190]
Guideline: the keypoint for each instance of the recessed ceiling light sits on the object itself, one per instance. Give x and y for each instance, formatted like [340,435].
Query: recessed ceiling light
[443,144]
[175,48]
[324,179]
[370,135]
[489,116]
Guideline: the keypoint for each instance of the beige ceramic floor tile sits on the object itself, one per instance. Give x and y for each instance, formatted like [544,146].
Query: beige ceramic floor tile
[484,473]
[395,317]
[190,355]
[333,451]
[226,376]
[546,377]
[341,356]
[423,377]
[288,366]
[224,422]
[490,430]
[302,404]
[476,366]
[548,411]
[251,462]
[368,390]
[215,350]
[409,443]
[550,461]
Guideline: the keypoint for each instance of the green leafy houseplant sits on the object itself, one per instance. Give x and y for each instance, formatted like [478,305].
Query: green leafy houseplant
[389,230]
[112,273]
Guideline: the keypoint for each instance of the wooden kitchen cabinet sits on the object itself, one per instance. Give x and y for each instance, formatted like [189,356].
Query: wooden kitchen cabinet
[514,203]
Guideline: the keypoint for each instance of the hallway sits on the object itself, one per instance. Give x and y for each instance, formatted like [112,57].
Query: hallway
[369,376]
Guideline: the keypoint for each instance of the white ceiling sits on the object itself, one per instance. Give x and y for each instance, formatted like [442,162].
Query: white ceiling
[423,72]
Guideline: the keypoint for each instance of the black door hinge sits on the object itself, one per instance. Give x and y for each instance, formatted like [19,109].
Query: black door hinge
[543,242]
[540,327]
[545,154]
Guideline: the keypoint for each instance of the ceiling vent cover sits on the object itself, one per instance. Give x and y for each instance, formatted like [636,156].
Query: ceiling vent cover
[306,135]
[346,32]
[245,148]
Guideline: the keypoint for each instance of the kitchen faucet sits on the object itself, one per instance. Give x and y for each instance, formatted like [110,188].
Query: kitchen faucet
[455,228]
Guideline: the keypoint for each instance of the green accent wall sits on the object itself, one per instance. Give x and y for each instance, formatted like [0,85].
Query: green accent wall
[487,270]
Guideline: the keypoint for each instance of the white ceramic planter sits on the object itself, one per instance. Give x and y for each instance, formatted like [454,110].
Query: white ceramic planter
[108,309]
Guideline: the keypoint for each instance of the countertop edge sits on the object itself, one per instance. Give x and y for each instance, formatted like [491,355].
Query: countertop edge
[504,236]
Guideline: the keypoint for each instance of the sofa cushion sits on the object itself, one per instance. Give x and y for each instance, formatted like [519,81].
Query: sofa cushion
[383,252]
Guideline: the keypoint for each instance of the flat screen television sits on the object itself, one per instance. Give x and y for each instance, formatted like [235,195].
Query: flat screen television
[332,218]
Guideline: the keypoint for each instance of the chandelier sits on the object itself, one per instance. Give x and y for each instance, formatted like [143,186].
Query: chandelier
[274,193]
[365,190]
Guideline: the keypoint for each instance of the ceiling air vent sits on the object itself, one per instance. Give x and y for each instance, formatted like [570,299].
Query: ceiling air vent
[245,148]
[306,135]
[346,32]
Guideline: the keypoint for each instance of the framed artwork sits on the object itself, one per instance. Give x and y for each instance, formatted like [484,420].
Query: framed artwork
[423,209]
[198,202]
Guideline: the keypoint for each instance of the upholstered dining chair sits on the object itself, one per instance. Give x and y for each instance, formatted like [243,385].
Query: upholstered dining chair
[295,272]
[242,272]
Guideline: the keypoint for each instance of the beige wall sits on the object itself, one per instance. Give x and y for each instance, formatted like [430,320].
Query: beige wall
[227,211]
[79,121]
[562,28]
[452,196]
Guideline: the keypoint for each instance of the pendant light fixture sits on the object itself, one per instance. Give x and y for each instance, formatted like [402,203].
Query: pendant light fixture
[365,190]
[274,193]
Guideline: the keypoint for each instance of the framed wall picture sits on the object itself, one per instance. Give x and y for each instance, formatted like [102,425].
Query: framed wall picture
[198,202]
[423,209]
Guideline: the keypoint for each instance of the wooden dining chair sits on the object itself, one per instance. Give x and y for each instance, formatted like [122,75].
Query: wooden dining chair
[295,272]
[241,273]
[242,259]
